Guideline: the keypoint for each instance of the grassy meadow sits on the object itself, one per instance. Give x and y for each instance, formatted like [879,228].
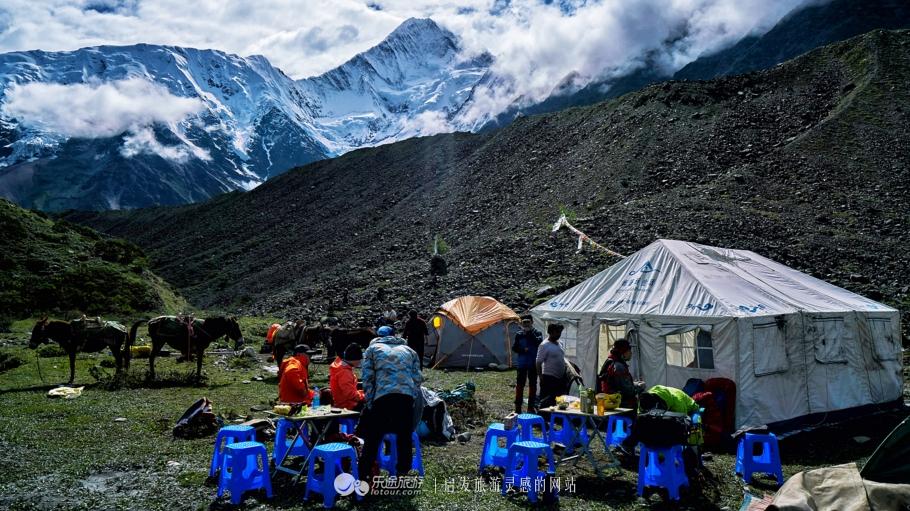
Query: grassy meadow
[112,448]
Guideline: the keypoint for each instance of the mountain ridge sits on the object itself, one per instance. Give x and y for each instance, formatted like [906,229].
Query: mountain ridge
[780,162]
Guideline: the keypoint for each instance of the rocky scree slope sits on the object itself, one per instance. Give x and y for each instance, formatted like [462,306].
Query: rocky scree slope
[806,163]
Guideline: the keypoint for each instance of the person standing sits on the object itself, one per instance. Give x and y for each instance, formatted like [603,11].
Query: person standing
[551,366]
[391,383]
[416,332]
[294,386]
[343,381]
[525,345]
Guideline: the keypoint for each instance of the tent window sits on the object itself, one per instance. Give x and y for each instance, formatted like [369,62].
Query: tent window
[886,348]
[606,336]
[568,339]
[769,351]
[829,340]
[693,349]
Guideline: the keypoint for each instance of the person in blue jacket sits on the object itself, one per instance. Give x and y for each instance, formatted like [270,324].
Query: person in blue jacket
[525,345]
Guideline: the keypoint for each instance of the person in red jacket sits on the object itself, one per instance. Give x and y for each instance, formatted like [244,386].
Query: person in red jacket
[343,381]
[294,386]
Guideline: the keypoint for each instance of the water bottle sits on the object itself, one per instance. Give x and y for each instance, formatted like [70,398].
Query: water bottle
[315,397]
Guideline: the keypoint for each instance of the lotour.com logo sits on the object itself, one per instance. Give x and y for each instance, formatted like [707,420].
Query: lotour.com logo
[345,484]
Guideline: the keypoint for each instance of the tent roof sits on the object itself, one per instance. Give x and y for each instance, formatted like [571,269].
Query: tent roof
[474,313]
[679,278]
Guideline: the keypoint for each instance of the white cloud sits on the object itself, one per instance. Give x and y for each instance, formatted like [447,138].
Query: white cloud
[536,45]
[427,123]
[143,140]
[95,110]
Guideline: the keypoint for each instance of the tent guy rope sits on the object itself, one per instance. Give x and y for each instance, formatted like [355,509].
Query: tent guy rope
[582,237]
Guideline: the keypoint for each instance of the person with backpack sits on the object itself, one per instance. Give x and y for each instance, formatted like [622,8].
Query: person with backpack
[525,345]
[551,366]
[615,377]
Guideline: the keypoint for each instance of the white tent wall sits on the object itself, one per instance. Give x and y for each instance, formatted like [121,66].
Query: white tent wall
[771,382]
[774,360]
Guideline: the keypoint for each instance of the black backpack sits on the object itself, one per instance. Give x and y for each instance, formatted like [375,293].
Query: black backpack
[660,428]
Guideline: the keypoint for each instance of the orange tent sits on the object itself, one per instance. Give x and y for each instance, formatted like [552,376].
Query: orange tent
[474,331]
[475,313]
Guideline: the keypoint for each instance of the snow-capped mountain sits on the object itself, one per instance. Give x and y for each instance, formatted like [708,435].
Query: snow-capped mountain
[412,83]
[246,121]
[202,122]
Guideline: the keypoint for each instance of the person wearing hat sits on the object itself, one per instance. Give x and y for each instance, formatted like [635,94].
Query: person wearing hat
[615,377]
[551,366]
[391,384]
[294,386]
[343,381]
[525,345]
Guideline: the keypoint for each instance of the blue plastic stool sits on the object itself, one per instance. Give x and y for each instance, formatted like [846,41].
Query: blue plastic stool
[526,423]
[331,454]
[522,471]
[388,454]
[283,445]
[229,435]
[493,454]
[567,435]
[347,426]
[618,429]
[662,468]
[244,466]
[766,462]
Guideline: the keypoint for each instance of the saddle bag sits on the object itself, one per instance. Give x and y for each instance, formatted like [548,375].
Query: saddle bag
[659,428]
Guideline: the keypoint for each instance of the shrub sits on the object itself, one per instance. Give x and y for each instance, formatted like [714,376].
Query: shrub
[50,350]
[9,361]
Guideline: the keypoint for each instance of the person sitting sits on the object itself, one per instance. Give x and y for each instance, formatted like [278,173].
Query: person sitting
[615,377]
[294,386]
[343,381]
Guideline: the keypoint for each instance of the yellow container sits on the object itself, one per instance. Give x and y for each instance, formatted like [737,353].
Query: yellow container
[601,403]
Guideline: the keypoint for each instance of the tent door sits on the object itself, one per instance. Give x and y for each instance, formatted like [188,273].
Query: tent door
[611,330]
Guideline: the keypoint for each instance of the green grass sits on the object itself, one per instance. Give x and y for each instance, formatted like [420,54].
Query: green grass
[64,268]
[71,454]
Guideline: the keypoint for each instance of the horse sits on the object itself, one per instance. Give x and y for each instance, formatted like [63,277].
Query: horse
[335,340]
[187,334]
[86,335]
[341,338]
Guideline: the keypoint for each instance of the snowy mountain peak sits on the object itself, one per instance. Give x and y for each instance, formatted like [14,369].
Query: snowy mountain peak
[412,83]
[183,124]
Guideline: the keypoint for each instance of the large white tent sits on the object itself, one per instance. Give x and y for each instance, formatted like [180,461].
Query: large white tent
[793,344]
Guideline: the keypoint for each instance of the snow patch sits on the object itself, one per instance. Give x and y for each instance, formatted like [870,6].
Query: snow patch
[143,141]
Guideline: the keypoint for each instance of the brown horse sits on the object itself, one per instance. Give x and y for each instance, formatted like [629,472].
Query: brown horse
[188,335]
[335,340]
[341,338]
[84,335]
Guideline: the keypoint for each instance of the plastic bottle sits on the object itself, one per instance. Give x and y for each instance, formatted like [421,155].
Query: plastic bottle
[315,397]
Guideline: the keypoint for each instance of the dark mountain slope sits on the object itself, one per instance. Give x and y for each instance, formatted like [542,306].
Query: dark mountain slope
[799,32]
[803,30]
[805,163]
